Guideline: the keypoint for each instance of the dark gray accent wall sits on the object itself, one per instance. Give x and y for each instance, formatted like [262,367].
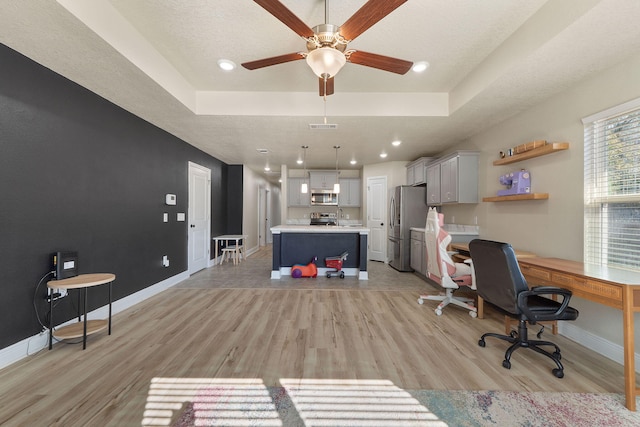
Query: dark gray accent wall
[79,173]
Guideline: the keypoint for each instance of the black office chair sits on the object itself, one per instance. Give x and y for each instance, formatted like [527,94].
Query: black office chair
[501,283]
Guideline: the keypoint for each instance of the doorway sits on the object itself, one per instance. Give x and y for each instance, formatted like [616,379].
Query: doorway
[264,223]
[199,235]
[376,217]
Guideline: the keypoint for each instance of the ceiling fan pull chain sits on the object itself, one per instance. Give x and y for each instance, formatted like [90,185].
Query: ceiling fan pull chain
[325,100]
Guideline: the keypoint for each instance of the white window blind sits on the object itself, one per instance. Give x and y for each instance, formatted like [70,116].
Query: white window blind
[612,187]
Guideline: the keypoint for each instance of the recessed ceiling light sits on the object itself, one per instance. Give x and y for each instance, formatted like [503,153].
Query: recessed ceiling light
[226,65]
[419,67]
[353,162]
[396,143]
[383,155]
[299,161]
[267,168]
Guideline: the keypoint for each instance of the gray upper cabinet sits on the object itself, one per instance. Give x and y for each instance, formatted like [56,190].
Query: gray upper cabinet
[459,177]
[433,184]
[416,171]
[295,197]
[323,180]
[349,192]
[452,178]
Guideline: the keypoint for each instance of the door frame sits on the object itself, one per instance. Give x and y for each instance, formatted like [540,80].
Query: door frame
[191,167]
[264,220]
[384,201]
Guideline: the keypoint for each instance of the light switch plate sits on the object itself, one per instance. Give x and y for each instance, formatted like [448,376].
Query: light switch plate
[165,217]
[180,216]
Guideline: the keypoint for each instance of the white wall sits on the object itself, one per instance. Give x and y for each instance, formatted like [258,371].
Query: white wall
[554,227]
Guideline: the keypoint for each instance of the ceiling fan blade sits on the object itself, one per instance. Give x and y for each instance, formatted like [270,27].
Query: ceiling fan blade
[386,63]
[330,86]
[370,13]
[266,62]
[287,17]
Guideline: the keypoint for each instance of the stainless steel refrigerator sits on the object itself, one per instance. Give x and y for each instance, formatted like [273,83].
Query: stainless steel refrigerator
[407,209]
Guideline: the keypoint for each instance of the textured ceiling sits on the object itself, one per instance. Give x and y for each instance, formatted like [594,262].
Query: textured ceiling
[158,59]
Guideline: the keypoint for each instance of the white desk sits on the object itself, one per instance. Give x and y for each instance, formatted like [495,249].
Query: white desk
[228,238]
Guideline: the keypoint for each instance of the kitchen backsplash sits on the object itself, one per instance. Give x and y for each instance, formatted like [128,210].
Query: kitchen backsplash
[471,229]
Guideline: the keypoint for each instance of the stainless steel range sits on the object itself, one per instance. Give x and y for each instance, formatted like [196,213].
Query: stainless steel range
[324,218]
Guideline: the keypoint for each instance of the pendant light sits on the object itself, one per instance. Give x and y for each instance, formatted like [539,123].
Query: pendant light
[304,188]
[336,186]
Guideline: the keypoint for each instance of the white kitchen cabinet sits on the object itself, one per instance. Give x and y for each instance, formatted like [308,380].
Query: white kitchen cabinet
[433,184]
[349,192]
[323,180]
[295,197]
[459,177]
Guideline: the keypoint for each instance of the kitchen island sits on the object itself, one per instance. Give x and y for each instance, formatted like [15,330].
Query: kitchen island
[299,244]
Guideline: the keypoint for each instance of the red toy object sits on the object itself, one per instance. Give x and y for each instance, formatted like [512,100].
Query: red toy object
[309,270]
[335,262]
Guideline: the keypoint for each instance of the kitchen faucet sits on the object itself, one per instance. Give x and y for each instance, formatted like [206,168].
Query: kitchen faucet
[339,213]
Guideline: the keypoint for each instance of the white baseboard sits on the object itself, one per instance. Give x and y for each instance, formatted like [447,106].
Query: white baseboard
[598,344]
[32,345]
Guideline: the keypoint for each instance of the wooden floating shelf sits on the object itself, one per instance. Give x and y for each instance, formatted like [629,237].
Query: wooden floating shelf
[75,330]
[536,152]
[515,197]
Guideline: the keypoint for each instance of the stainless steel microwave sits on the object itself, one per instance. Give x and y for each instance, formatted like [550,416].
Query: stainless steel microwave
[324,198]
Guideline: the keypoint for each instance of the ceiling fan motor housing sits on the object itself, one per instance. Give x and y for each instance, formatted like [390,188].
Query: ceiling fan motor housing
[326,35]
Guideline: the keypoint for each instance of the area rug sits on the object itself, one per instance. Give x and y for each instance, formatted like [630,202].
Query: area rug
[358,406]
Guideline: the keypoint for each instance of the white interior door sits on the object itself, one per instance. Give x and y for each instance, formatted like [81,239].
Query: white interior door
[199,213]
[263,217]
[377,217]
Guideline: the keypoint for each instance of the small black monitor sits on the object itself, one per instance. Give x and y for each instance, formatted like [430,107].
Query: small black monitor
[65,264]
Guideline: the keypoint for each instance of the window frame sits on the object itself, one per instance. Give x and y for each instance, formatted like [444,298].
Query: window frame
[605,240]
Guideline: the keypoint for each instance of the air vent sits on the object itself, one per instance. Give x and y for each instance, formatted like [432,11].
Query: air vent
[262,150]
[323,126]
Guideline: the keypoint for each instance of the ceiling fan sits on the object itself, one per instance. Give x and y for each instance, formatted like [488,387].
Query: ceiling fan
[327,44]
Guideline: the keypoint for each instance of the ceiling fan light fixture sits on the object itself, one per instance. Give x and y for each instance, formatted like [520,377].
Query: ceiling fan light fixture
[326,61]
[336,186]
[304,188]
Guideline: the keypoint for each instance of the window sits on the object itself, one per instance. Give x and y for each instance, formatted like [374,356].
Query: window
[612,187]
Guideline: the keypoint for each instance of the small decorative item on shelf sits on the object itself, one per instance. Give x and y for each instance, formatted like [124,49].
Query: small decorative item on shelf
[529,146]
[517,183]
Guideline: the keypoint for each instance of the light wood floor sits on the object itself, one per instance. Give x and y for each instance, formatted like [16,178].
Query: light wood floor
[234,322]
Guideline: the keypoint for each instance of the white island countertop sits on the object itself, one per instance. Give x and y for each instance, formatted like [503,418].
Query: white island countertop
[319,229]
